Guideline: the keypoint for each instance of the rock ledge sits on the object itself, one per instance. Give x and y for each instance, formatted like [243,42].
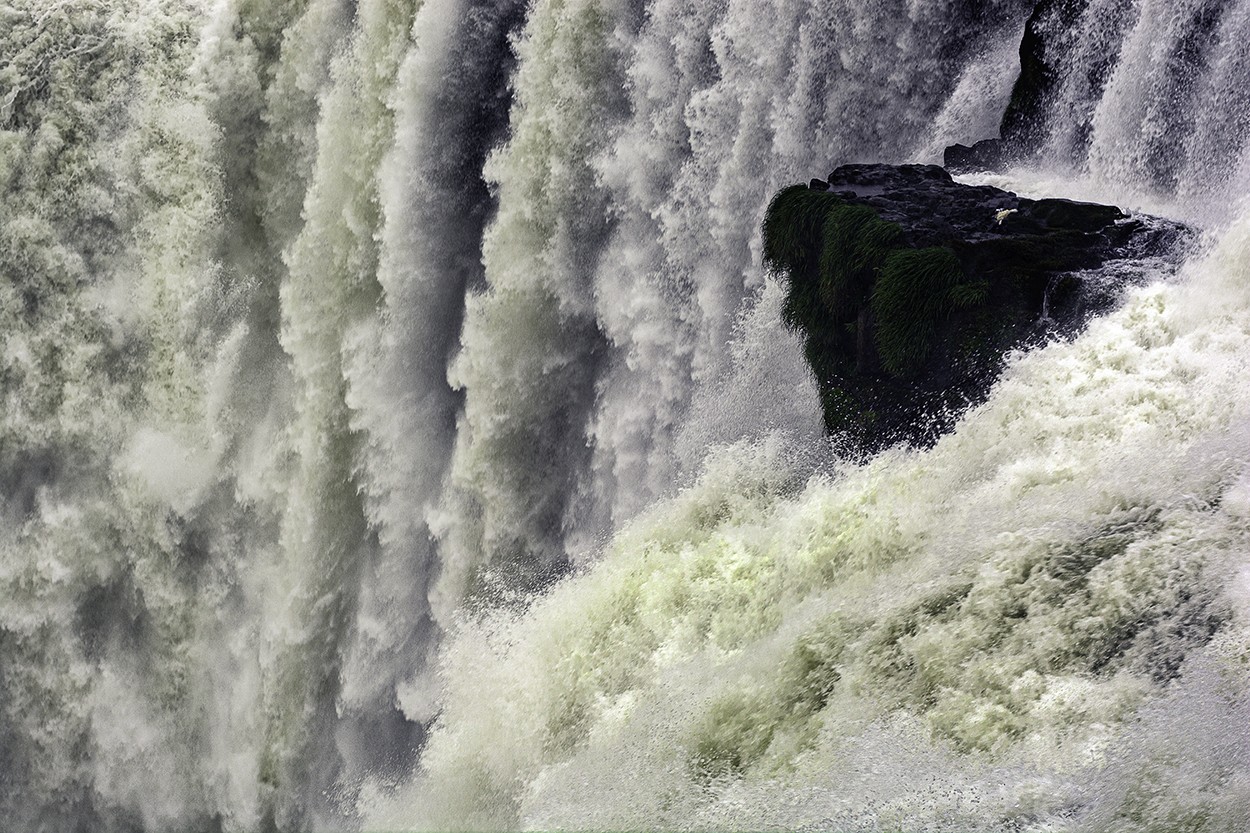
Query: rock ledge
[909,287]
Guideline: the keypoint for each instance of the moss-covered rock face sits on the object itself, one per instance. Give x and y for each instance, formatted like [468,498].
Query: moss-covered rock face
[908,288]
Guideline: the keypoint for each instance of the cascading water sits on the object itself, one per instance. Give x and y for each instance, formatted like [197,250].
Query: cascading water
[399,429]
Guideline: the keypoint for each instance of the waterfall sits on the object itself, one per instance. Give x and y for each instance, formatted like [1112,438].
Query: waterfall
[399,428]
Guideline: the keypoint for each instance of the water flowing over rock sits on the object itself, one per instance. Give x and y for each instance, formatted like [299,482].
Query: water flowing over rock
[400,430]
[909,288]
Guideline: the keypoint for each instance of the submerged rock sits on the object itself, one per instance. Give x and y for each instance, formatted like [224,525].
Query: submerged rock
[909,287]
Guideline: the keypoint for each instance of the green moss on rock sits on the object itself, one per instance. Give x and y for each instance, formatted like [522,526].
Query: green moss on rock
[793,220]
[865,301]
[856,242]
[911,297]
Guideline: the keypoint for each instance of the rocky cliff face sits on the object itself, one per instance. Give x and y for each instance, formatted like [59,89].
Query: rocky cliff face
[909,288]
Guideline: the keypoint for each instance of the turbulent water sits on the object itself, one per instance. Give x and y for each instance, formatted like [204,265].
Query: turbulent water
[399,430]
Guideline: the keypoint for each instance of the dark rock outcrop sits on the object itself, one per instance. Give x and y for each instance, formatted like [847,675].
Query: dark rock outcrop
[908,287]
[985,155]
[1023,121]
[1039,72]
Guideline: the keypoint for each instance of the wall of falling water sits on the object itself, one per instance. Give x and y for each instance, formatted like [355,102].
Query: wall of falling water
[398,428]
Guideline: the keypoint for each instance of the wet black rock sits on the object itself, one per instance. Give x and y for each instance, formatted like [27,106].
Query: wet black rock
[909,288]
[985,155]
[1022,121]
[1023,126]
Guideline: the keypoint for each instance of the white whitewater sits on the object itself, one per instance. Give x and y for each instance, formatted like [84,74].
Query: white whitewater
[399,431]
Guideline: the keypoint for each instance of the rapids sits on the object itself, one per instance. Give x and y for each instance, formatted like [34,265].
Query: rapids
[399,430]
